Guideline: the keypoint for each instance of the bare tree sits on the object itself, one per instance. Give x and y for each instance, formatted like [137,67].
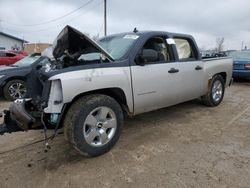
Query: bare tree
[219,43]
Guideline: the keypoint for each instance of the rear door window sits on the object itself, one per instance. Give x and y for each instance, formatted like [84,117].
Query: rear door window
[185,49]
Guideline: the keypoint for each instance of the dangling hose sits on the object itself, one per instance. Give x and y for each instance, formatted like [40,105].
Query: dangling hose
[46,139]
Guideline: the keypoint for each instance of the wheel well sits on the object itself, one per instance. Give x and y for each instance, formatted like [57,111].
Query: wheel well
[224,75]
[13,78]
[115,93]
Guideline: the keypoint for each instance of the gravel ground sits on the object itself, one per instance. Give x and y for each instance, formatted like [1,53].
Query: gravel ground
[188,145]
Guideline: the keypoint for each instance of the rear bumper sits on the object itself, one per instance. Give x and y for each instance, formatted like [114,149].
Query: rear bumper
[241,73]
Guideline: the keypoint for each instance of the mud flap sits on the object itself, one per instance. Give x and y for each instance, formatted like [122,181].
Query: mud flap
[8,125]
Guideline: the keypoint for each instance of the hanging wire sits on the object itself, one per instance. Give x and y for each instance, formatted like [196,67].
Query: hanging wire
[55,26]
[49,21]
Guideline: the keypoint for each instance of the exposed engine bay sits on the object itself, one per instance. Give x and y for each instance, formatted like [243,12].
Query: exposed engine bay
[71,50]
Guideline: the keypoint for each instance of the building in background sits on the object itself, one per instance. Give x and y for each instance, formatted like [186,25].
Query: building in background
[36,47]
[9,42]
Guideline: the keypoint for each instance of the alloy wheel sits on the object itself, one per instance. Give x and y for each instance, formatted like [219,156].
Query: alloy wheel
[100,126]
[17,90]
[217,90]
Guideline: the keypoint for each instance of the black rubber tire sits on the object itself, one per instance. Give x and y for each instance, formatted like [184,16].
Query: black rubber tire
[208,99]
[6,89]
[74,122]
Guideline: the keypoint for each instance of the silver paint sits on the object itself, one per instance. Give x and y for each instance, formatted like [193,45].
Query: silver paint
[152,86]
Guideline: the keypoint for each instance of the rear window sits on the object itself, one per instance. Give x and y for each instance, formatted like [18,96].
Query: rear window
[185,49]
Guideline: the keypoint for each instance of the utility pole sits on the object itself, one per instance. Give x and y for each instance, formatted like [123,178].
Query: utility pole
[0,25]
[105,17]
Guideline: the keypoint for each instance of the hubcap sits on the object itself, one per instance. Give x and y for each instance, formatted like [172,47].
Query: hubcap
[100,126]
[217,91]
[17,90]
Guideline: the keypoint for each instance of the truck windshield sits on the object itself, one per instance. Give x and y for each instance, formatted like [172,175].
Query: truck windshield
[240,56]
[117,46]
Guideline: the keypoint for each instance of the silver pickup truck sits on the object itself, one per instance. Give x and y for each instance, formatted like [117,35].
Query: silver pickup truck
[93,86]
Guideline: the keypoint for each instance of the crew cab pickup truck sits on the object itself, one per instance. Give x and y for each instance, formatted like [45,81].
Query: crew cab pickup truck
[93,86]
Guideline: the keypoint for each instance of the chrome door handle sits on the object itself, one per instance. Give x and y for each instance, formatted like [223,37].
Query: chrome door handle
[173,70]
[198,68]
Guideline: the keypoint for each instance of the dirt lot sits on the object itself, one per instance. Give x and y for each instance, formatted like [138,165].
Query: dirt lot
[188,145]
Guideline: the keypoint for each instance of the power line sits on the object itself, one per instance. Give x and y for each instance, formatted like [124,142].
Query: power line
[50,21]
[55,26]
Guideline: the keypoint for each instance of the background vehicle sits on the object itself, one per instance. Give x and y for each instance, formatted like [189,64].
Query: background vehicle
[13,77]
[97,85]
[10,57]
[20,52]
[241,64]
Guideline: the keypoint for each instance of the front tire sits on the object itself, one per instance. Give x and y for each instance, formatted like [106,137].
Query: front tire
[15,89]
[215,92]
[93,124]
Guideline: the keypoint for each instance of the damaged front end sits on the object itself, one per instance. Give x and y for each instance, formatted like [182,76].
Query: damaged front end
[24,115]
[27,114]
[45,105]
[18,117]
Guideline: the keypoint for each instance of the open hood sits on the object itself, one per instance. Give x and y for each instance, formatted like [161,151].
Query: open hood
[73,41]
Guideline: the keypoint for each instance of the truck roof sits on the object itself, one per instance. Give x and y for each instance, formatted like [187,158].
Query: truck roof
[153,33]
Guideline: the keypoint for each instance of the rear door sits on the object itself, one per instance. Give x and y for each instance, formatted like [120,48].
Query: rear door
[191,69]
[155,84]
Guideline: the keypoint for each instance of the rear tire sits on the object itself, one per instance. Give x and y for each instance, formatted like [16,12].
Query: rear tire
[15,89]
[215,92]
[93,124]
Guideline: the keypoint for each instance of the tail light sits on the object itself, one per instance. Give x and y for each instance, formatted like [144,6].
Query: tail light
[247,66]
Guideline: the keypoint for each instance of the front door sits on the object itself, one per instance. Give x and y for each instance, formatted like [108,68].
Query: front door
[155,84]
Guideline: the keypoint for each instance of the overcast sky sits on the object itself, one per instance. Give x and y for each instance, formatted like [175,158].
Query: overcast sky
[204,19]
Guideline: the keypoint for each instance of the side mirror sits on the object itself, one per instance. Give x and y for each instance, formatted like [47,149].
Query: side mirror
[147,55]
